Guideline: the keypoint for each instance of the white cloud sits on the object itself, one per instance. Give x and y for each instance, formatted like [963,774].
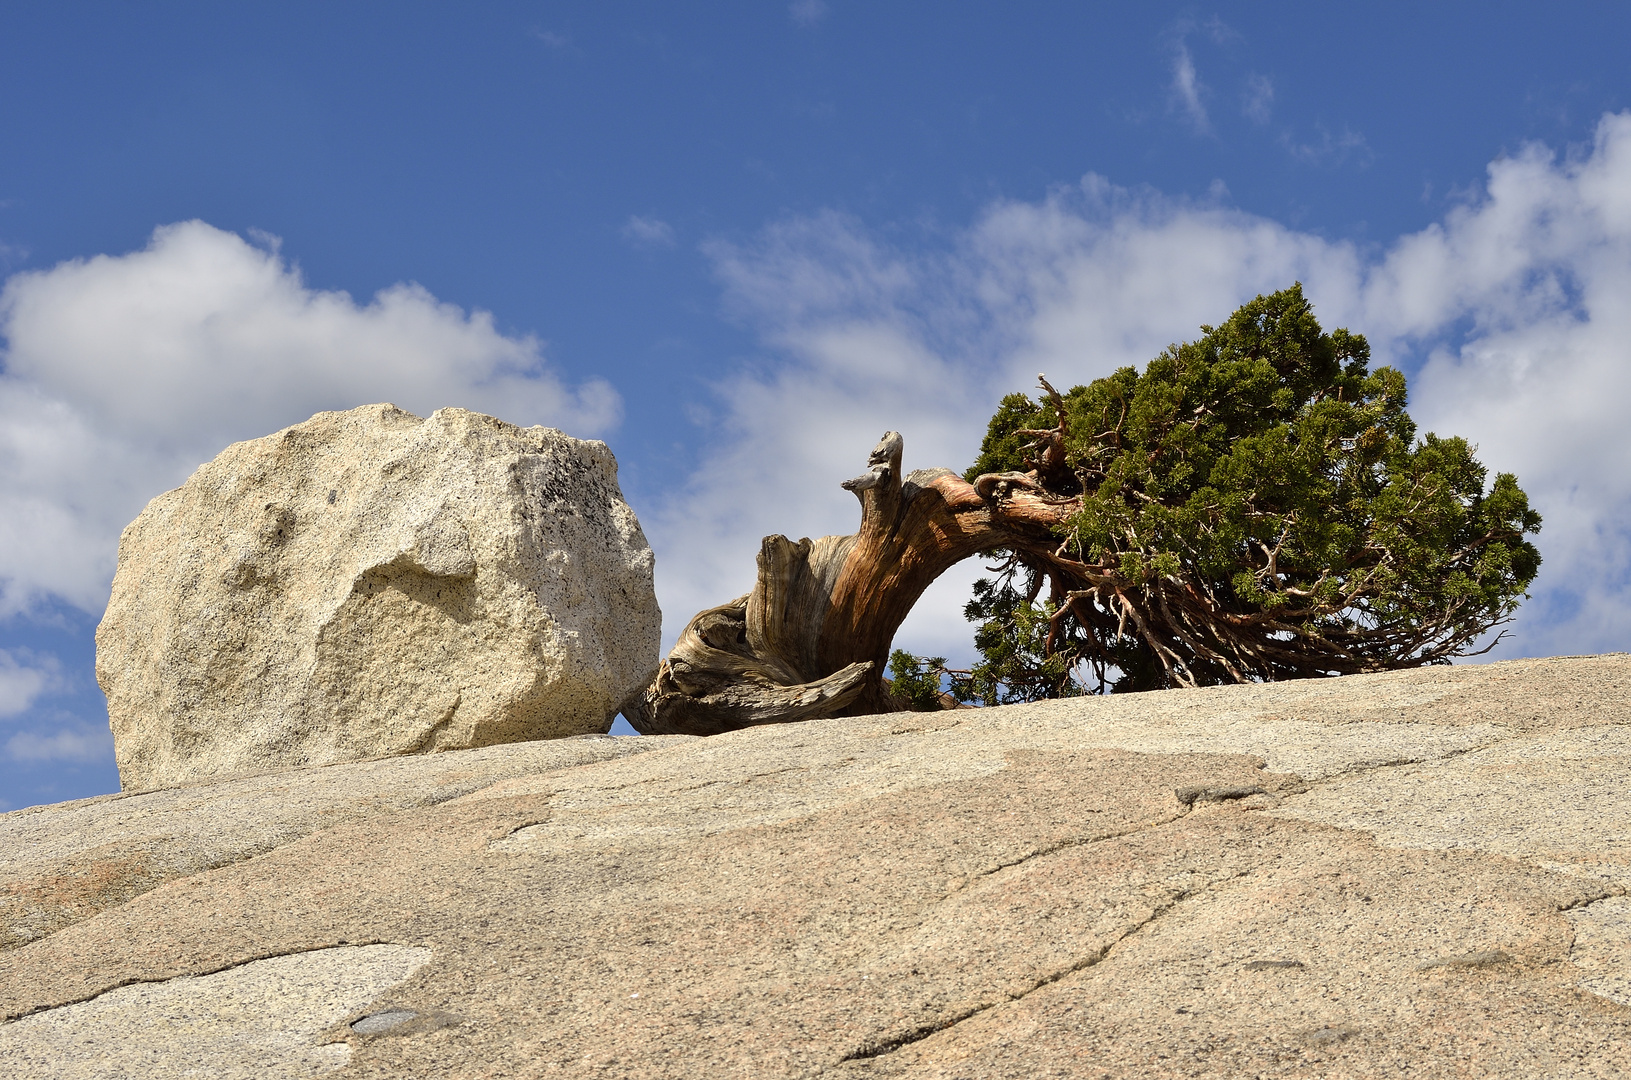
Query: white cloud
[648,232]
[867,339]
[21,682]
[1540,266]
[1257,100]
[807,12]
[122,373]
[1512,308]
[71,743]
[1187,88]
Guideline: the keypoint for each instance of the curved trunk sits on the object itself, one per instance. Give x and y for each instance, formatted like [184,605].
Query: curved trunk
[813,636]
[812,639]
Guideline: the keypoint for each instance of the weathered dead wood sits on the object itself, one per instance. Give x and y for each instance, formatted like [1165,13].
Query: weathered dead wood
[812,639]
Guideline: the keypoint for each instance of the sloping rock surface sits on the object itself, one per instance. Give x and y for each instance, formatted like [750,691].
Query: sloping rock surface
[369,583]
[1415,874]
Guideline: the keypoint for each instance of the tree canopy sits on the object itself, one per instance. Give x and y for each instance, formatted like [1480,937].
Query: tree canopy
[1253,505]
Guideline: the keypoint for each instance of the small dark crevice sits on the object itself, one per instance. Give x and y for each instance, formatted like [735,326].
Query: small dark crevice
[927,730]
[1608,892]
[8,1018]
[918,1034]
[447,795]
[1062,845]
[1359,768]
[1187,798]
[765,775]
[1479,959]
[525,824]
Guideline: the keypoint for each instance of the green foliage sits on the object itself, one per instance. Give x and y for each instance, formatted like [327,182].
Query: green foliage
[916,679]
[1264,480]
[1019,663]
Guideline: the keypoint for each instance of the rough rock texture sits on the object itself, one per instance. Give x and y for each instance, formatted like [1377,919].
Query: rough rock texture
[1415,874]
[60,864]
[214,1024]
[368,584]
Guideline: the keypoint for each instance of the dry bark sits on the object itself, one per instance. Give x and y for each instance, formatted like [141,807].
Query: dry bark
[812,638]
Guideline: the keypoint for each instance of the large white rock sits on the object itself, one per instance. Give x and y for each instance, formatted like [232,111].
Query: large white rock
[369,583]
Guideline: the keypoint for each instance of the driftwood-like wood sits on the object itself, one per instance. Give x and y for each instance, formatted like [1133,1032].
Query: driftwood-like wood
[812,639]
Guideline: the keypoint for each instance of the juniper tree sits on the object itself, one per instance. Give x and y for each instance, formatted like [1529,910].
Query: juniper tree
[1253,505]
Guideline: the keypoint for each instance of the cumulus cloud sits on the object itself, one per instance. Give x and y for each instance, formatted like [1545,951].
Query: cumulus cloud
[123,372]
[1539,266]
[1509,314]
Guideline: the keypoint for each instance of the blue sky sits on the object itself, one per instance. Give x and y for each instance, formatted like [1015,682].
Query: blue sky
[739,240]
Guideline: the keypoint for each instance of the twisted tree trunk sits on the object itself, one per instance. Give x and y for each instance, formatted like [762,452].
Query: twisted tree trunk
[812,639]
[1302,560]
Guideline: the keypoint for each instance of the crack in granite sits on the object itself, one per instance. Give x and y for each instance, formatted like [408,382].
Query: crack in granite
[873,1050]
[257,958]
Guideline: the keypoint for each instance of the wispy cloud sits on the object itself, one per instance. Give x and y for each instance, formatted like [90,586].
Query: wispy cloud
[1186,93]
[551,38]
[1345,148]
[1187,89]
[1257,99]
[648,232]
[807,12]
[67,744]
[1219,31]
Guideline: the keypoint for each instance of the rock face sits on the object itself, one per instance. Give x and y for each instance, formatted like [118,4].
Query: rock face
[1420,874]
[369,583]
